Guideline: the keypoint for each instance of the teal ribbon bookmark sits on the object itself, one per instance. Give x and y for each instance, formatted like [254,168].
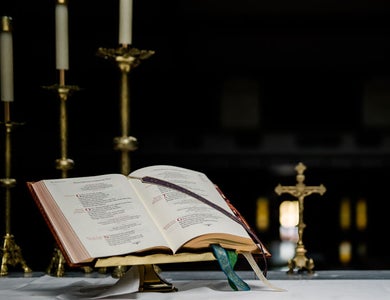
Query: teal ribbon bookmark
[227,259]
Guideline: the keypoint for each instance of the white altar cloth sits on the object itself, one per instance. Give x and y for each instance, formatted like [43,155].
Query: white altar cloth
[82,286]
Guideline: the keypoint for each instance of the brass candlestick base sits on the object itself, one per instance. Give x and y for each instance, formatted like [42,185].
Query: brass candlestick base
[57,264]
[12,255]
[119,271]
[300,191]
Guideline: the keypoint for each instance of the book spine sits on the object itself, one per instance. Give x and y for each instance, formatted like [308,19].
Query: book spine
[51,228]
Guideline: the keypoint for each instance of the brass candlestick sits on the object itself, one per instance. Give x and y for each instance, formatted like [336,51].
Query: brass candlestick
[126,58]
[300,191]
[12,254]
[64,164]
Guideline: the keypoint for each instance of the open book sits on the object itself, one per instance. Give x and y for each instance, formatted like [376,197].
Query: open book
[112,215]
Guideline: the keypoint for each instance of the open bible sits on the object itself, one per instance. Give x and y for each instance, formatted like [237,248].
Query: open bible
[104,216]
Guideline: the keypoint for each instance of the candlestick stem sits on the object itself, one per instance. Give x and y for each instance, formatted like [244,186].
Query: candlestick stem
[126,59]
[12,254]
[64,164]
[125,143]
[125,98]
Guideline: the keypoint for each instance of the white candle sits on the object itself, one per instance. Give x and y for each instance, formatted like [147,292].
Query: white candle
[62,43]
[6,63]
[125,21]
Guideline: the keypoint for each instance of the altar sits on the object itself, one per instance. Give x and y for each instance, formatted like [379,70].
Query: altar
[373,284]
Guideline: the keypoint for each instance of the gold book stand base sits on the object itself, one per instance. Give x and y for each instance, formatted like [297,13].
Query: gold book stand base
[150,281]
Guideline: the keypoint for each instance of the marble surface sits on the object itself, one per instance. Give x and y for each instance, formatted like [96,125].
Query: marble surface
[200,285]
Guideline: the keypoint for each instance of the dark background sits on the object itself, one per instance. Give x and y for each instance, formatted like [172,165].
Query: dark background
[240,90]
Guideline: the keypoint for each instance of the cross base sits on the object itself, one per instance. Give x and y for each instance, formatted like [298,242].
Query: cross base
[12,255]
[300,261]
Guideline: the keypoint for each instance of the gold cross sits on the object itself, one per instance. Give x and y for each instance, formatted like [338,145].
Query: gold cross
[300,191]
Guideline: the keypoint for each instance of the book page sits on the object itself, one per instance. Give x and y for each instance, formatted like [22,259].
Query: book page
[105,214]
[180,216]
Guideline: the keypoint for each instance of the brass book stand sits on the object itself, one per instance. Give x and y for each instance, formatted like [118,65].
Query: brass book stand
[150,280]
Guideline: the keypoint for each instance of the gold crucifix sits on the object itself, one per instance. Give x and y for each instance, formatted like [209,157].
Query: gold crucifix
[300,191]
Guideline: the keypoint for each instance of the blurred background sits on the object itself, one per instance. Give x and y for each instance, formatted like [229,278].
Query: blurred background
[240,90]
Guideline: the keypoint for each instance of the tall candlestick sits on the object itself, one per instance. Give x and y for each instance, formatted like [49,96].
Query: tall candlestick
[62,43]
[6,61]
[125,22]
